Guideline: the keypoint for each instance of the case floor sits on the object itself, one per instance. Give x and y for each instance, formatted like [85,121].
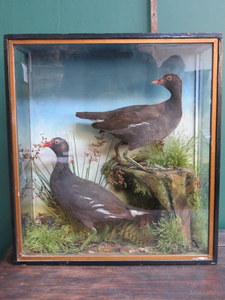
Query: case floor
[115,282]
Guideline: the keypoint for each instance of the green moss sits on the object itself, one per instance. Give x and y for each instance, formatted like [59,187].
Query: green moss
[194,201]
[169,238]
[139,188]
[46,240]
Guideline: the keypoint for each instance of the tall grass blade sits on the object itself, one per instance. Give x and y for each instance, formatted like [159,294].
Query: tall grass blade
[76,156]
[101,179]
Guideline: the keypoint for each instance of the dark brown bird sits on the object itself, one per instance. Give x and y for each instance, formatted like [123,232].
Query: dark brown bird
[139,125]
[85,200]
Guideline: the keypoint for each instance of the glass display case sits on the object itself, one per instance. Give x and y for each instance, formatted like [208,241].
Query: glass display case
[114,147]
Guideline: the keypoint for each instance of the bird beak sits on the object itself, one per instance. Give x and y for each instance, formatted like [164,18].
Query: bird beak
[158,81]
[46,144]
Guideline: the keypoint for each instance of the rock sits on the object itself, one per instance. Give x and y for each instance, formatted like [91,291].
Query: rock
[170,187]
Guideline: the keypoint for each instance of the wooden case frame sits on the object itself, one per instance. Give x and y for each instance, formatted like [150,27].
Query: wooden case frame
[11,41]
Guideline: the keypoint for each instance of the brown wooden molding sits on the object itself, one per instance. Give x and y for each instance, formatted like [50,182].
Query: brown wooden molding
[154,17]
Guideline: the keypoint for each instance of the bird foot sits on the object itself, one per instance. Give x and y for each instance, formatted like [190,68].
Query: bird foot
[88,240]
[137,165]
[133,162]
[161,168]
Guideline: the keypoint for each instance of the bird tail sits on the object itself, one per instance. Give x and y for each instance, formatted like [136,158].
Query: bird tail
[91,115]
[144,214]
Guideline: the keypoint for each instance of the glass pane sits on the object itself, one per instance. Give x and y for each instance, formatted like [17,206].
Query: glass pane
[114,148]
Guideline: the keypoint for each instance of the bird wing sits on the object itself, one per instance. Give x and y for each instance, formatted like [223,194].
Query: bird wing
[108,114]
[124,118]
[89,201]
[126,112]
[90,196]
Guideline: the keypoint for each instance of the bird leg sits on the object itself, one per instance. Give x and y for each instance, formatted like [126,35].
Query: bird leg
[89,239]
[116,149]
[128,159]
[133,162]
[160,168]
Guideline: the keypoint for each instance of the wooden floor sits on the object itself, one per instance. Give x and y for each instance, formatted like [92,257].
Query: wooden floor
[114,282]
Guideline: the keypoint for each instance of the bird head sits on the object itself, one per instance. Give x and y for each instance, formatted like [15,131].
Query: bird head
[58,145]
[168,80]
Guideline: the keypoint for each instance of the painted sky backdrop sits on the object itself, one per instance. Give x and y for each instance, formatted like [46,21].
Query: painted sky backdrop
[64,79]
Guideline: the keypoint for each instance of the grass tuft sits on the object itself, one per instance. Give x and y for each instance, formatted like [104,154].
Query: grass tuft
[176,153]
[169,238]
[47,240]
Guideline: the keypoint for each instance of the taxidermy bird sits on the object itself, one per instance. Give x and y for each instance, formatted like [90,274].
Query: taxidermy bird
[82,199]
[140,125]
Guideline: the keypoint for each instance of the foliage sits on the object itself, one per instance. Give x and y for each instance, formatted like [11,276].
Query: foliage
[199,222]
[61,233]
[47,240]
[176,152]
[114,176]
[60,236]
[92,159]
[169,238]
[47,234]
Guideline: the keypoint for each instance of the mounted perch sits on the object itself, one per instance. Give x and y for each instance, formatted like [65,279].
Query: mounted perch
[166,188]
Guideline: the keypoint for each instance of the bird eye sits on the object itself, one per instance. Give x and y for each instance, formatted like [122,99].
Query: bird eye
[169,78]
[57,142]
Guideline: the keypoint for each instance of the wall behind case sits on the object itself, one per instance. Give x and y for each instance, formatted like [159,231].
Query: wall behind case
[76,16]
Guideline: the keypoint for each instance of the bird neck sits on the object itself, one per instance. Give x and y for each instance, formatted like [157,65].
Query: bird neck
[63,158]
[62,165]
[176,93]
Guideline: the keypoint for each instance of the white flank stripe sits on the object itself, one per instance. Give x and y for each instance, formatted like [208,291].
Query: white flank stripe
[97,205]
[88,198]
[106,212]
[98,121]
[138,124]
[135,213]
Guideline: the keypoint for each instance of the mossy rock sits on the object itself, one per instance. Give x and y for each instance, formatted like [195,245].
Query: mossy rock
[170,187]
